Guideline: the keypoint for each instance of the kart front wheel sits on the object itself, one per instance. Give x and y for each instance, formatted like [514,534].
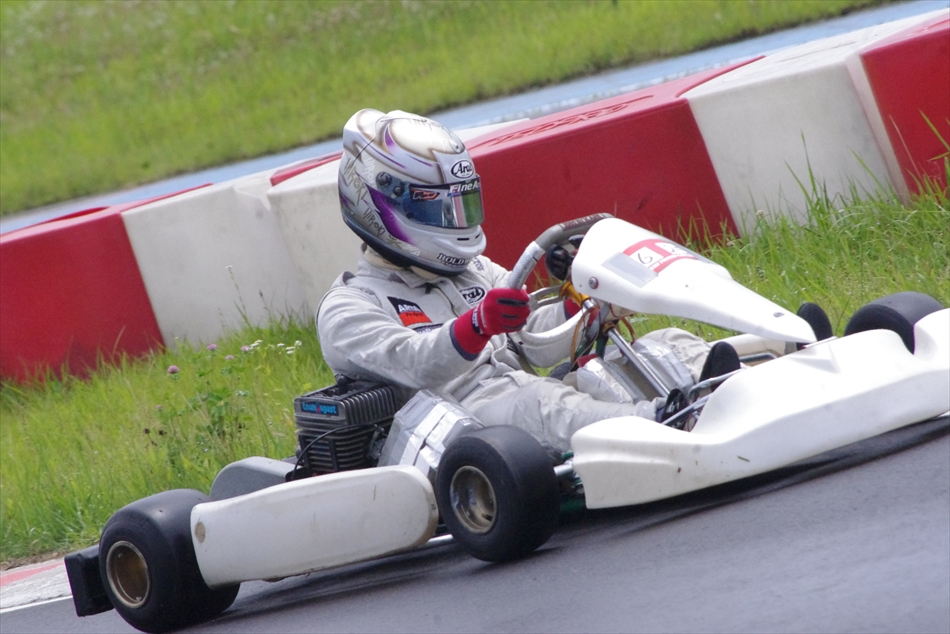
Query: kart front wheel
[148,565]
[897,312]
[497,493]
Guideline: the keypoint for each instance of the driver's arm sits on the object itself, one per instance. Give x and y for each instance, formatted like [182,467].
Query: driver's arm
[361,340]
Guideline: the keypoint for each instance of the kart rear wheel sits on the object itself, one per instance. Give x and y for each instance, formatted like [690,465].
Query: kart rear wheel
[148,565]
[497,493]
[817,318]
[898,313]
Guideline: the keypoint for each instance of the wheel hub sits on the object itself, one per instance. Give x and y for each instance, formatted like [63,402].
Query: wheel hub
[127,572]
[473,500]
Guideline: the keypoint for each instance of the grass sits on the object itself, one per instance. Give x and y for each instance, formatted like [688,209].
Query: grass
[101,95]
[72,452]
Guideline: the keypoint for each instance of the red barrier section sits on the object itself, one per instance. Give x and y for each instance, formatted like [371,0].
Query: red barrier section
[70,290]
[909,75]
[639,156]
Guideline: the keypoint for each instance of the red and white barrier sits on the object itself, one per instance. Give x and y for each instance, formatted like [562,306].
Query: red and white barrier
[307,208]
[639,156]
[70,292]
[907,75]
[805,112]
[866,109]
[214,259]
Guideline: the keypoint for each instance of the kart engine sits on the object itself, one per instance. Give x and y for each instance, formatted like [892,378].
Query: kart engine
[343,426]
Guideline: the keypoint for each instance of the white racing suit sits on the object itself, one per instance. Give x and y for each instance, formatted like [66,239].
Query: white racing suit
[393,325]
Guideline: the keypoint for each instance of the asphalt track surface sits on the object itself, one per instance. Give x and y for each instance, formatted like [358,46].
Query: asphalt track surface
[857,539]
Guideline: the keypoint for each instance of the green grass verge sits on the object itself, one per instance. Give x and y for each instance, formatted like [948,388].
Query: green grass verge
[101,95]
[72,452]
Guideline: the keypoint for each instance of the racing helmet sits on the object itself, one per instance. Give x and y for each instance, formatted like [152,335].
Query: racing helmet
[409,189]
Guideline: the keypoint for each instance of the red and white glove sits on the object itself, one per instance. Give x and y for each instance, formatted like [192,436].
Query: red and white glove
[503,310]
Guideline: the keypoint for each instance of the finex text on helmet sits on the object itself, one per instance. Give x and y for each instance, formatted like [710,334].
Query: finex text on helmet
[463,188]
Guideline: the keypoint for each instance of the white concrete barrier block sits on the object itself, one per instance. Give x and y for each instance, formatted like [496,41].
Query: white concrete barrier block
[213,258]
[772,124]
[321,246]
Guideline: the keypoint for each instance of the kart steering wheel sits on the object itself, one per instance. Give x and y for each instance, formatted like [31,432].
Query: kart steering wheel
[529,259]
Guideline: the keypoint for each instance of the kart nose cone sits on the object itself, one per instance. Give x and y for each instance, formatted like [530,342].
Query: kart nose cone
[641,271]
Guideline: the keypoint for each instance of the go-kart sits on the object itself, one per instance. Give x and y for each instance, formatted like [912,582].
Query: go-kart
[374,476]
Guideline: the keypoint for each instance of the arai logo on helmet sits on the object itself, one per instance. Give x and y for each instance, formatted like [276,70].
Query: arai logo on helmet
[463,169]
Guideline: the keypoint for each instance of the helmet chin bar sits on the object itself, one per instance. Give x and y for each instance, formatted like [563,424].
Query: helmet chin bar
[396,257]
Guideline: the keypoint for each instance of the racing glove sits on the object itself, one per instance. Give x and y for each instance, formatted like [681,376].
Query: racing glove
[557,260]
[559,257]
[503,310]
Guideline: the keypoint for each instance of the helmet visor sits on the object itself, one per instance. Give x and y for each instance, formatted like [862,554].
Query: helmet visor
[451,206]
[454,206]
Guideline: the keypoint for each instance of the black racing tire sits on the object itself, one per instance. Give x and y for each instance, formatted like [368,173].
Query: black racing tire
[497,493]
[817,318]
[898,312]
[148,565]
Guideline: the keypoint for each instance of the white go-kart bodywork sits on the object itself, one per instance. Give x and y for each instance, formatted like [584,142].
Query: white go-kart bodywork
[175,558]
[827,395]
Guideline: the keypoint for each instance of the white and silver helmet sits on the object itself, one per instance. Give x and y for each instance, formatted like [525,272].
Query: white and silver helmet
[409,189]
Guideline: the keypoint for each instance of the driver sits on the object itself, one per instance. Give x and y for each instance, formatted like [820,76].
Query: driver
[426,310]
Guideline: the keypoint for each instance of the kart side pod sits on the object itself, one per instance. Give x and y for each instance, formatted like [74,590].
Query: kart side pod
[818,399]
[312,524]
